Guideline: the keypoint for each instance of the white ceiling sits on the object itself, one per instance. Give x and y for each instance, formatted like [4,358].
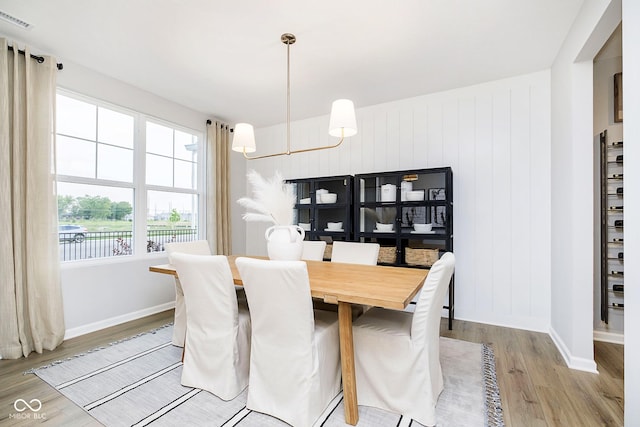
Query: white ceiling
[225,58]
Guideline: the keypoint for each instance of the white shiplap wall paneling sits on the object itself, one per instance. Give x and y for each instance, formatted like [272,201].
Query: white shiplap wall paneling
[496,139]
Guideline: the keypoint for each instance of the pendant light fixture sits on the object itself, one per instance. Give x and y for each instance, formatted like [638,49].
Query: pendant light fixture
[342,123]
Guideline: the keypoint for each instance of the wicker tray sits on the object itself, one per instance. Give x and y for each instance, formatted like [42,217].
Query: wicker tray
[387,255]
[423,257]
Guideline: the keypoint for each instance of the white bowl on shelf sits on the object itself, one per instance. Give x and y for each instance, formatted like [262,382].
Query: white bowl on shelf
[305,226]
[334,226]
[422,228]
[305,201]
[328,197]
[414,196]
[384,227]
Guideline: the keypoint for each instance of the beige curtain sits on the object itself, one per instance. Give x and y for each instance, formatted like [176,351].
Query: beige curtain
[218,187]
[31,315]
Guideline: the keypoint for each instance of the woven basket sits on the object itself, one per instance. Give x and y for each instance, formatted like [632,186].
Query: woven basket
[423,257]
[327,251]
[387,255]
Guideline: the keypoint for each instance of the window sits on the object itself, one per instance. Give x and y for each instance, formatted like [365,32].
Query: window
[127,183]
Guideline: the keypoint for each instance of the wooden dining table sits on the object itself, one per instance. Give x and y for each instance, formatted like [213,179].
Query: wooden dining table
[343,285]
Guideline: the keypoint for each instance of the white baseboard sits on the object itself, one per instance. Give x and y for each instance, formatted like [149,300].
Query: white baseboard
[113,321]
[578,363]
[610,337]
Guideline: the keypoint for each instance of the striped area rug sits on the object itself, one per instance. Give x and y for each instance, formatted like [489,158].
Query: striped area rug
[136,382]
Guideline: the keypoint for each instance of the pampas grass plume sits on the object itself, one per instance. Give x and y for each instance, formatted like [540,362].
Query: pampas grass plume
[273,200]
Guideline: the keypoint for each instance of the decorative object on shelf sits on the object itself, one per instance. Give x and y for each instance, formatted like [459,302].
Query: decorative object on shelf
[342,122]
[387,255]
[274,202]
[334,226]
[328,198]
[422,228]
[437,194]
[421,257]
[438,216]
[388,193]
[415,195]
[305,226]
[381,215]
[383,228]
[617,97]
[405,186]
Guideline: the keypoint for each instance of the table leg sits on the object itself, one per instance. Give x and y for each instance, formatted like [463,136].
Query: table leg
[348,364]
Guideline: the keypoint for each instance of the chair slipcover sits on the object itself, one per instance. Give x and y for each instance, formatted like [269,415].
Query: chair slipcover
[397,354]
[196,247]
[295,362]
[313,250]
[217,346]
[355,253]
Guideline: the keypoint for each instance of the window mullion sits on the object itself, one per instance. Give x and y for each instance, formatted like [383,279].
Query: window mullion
[140,225]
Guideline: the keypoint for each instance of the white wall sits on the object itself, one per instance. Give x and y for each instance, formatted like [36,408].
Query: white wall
[572,177]
[631,75]
[495,136]
[98,294]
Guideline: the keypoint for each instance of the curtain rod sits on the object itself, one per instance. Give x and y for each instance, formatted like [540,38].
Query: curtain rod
[39,59]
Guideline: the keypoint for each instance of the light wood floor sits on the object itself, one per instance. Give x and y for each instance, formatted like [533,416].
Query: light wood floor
[537,389]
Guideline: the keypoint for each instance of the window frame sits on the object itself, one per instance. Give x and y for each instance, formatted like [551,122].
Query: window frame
[138,184]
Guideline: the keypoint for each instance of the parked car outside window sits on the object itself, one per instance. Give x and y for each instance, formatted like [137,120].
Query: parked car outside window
[71,233]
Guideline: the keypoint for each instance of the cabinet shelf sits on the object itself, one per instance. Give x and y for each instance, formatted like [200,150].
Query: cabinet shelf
[381,197]
[317,215]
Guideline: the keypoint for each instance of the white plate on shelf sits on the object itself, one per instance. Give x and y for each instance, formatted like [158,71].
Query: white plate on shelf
[382,231]
[339,230]
[423,232]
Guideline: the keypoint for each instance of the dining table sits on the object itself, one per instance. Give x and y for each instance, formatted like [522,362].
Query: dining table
[344,285]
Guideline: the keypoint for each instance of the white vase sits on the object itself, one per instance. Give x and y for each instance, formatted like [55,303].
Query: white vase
[284,242]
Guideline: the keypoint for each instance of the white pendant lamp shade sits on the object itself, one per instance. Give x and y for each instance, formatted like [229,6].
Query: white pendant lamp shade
[244,141]
[343,119]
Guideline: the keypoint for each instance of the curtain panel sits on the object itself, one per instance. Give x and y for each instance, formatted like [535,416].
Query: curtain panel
[218,187]
[31,312]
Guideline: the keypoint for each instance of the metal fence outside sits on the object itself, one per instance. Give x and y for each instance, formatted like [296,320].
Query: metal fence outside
[102,244]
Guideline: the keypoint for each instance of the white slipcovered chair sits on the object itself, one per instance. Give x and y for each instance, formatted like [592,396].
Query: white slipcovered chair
[295,361]
[217,346]
[355,253]
[397,354]
[313,250]
[196,247]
